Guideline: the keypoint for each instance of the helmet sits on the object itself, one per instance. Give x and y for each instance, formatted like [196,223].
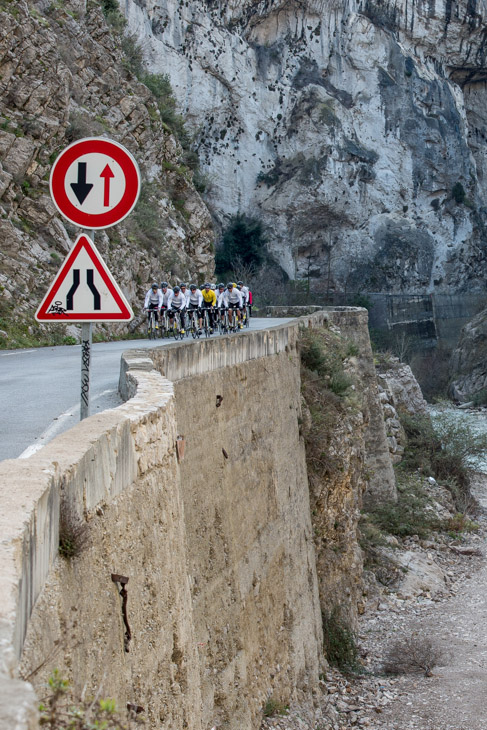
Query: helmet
[164,284]
[193,287]
[221,285]
[229,285]
[183,286]
[206,286]
[176,289]
[239,283]
[154,286]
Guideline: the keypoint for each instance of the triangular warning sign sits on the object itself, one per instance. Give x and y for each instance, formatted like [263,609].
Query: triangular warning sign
[84,290]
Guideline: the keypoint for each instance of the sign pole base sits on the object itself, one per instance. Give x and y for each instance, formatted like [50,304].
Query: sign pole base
[86,338]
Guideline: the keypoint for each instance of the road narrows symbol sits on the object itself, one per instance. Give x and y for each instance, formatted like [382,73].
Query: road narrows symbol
[70,294]
[84,290]
[93,289]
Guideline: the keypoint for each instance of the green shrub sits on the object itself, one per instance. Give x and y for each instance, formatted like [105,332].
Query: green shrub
[244,242]
[73,533]
[339,642]
[274,707]
[133,58]
[410,514]
[480,398]
[444,447]
[460,523]
[324,354]
[57,712]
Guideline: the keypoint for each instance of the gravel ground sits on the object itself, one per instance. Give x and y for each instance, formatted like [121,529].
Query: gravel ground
[454,620]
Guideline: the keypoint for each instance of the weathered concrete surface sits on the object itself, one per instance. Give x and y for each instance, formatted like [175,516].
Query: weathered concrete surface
[249,535]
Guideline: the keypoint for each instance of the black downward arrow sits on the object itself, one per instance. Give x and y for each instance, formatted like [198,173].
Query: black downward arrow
[81,188]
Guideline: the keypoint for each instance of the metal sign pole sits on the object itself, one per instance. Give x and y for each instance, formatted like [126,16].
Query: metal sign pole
[86,333]
[86,341]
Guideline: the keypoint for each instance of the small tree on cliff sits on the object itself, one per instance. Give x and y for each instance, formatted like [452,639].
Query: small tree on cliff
[243,245]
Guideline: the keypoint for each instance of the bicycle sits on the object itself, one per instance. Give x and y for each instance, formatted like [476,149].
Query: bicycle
[193,324]
[152,324]
[164,326]
[246,317]
[233,324]
[223,322]
[206,323]
[176,327]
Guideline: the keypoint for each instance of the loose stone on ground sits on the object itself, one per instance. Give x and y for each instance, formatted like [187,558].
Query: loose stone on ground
[451,612]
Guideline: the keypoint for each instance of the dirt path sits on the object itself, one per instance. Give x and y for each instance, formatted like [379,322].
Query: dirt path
[454,698]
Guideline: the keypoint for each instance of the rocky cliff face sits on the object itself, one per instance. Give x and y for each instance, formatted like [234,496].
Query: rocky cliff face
[468,364]
[355,130]
[63,76]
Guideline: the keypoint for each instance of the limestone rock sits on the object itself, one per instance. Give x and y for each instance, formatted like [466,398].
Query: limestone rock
[399,391]
[468,364]
[64,77]
[355,132]
[423,574]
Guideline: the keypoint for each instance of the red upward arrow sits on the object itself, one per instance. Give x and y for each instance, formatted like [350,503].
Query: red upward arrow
[107,174]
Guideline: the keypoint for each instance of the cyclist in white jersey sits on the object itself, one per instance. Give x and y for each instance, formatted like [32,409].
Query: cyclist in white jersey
[153,300]
[194,301]
[176,303]
[166,293]
[244,290]
[232,300]
[184,292]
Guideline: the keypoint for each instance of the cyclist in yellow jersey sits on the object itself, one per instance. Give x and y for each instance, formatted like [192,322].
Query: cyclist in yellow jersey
[209,302]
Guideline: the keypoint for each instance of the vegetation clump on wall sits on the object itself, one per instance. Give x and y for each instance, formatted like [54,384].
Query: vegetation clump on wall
[333,430]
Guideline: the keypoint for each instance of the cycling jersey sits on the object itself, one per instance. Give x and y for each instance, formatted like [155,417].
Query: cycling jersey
[154,299]
[232,296]
[209,297]
[244,291]
[194,298]
[176,301]
[165,296]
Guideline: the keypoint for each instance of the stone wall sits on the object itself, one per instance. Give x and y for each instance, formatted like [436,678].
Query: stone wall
[223,600]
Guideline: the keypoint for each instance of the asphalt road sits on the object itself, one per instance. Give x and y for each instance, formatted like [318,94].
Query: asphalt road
[40,389]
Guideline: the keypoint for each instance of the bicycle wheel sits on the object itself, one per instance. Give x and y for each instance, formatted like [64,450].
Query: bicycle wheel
[151,326]
[206,323]
[221,323]
[182,332]
[163,325]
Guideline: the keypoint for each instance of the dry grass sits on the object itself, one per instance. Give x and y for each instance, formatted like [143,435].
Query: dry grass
[412,655]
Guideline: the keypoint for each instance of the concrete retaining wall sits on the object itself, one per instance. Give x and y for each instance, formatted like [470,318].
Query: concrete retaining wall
[118,472]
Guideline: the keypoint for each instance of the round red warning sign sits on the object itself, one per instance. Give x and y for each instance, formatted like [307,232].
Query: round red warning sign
[95,183]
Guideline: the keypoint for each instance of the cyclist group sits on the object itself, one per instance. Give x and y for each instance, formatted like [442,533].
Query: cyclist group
[218,300]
